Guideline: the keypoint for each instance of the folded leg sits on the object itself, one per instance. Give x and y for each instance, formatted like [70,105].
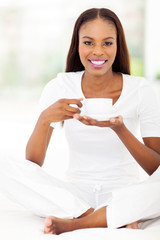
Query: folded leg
[29,185]
[137,202]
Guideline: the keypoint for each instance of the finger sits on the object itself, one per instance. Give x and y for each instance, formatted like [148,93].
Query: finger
[97,122]
[74,101]
[120,118]
[87,117]
[70,114]
[72,109]
[90,120]
[103,124]
[77,116]
[80,118]
[116,120]
[85,120]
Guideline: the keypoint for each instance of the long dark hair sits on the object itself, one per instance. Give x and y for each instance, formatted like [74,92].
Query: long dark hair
[122,60]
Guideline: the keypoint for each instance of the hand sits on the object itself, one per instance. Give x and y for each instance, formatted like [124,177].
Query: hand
[61,110]
[115,122]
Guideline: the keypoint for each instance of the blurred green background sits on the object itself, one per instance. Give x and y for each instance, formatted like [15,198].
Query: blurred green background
[35,38]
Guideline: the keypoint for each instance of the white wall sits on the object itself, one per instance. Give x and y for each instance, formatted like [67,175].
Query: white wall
[152,39]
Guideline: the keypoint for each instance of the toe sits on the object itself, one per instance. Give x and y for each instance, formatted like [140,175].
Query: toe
[48,222]
[47,225]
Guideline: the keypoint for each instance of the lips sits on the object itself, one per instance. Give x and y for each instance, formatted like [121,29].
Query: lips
[97,62]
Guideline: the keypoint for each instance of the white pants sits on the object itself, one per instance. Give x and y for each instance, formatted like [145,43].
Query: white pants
[138,202]
[27,184]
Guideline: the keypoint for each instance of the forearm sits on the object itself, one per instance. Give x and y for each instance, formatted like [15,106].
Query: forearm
[57,112]
[147,158]
[38,142]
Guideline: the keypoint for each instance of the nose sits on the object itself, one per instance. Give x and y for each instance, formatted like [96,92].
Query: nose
[98,51]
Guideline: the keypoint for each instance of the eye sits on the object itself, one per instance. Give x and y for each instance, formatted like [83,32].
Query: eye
[88,43]
[108,43]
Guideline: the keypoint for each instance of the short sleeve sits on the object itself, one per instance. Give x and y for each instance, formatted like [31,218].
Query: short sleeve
[148,111]
[50,94]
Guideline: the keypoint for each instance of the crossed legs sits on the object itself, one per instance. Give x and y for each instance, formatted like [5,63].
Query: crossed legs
[46,193]
[127,206]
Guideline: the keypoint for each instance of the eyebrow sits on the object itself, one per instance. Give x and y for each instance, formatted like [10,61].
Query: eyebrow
[93,38]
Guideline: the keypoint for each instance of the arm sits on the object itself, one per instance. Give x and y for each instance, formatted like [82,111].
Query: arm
[38,143]
[147,155]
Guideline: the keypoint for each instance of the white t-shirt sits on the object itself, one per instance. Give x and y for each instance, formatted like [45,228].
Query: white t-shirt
[97,153]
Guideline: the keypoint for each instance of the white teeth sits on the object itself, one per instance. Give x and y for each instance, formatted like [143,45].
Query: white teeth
[98,62]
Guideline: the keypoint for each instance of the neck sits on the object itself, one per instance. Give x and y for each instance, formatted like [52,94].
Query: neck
[97,83]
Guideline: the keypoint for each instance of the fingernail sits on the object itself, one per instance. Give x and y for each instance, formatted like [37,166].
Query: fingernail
[113,120]
[75,116]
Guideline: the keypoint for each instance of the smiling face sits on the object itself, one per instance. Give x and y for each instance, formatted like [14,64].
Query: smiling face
[98,46]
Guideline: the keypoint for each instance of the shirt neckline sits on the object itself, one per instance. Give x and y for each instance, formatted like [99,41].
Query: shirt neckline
[121,95]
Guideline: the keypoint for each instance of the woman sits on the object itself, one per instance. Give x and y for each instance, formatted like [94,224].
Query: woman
[97,65]
[104,155]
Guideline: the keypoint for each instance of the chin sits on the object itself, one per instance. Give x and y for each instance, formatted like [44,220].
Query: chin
[100,72]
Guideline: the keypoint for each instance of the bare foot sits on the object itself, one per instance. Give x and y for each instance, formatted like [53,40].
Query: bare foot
[48,225]
[133,225]
[54,225]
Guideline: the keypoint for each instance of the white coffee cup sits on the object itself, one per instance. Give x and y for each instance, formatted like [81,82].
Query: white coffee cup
[97,108]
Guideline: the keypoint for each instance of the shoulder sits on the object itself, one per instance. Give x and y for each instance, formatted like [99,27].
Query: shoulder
[63,84]
[141,90]
[136,83]
[64,79]
[135,80]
